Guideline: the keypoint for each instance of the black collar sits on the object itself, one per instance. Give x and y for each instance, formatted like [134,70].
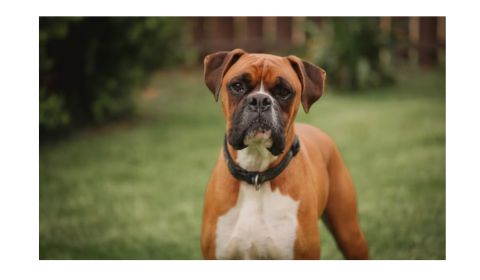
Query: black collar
[258,178]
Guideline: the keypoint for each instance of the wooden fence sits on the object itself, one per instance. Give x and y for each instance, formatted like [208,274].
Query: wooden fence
[417,39]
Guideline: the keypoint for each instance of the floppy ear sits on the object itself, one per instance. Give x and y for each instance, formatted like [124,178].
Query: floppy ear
[312,79]
[215,66]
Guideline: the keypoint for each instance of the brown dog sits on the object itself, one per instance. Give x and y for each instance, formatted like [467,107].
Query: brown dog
[274,178]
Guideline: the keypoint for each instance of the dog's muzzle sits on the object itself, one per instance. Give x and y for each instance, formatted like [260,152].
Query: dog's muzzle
[257,117]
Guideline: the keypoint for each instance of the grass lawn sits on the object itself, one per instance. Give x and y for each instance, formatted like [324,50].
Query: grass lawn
[134,190]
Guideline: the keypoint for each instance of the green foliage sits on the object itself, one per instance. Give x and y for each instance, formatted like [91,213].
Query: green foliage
[353,51]
[137,193]
[52,111]
[89,66]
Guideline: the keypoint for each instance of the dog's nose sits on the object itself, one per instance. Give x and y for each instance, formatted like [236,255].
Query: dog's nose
[259,102]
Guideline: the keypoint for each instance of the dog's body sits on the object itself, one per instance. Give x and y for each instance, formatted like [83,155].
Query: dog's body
[276,219]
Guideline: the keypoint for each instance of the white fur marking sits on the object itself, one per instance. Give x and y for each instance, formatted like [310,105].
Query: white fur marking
[256,157]
[261,90]
[263,223]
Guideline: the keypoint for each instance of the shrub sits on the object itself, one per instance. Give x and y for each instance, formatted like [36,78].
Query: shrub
[353,51]
[89,66]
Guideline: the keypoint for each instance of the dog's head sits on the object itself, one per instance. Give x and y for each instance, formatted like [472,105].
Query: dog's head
[261,94]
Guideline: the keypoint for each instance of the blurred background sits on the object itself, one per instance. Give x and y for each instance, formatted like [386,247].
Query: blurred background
[129,133]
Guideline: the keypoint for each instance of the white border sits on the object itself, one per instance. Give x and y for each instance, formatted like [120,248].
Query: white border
[19,144]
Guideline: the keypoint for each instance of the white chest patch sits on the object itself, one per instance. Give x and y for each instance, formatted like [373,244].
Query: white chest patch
[262,225]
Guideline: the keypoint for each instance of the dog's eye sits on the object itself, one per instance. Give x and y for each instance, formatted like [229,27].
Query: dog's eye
[283,93]
[237,88]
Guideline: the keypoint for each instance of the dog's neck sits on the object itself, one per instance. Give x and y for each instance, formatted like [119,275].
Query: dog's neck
[256,156]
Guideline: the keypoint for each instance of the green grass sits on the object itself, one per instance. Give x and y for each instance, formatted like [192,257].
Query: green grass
[134,190]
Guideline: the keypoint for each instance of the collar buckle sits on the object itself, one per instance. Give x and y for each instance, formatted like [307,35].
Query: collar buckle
[255,182]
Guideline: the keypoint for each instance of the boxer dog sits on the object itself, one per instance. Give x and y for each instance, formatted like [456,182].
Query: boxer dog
[274,178]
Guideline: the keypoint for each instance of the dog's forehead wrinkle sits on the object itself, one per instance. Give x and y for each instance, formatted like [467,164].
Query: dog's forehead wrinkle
[261,69]
[262,63]
[264,56]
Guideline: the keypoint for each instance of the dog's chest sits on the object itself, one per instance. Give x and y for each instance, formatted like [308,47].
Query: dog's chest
[262,225]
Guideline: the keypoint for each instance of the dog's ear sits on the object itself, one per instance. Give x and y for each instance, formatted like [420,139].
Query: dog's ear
[215,66]
[312,79]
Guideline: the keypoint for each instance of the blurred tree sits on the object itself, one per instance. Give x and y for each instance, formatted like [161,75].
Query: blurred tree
[353,51]
[89,66]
